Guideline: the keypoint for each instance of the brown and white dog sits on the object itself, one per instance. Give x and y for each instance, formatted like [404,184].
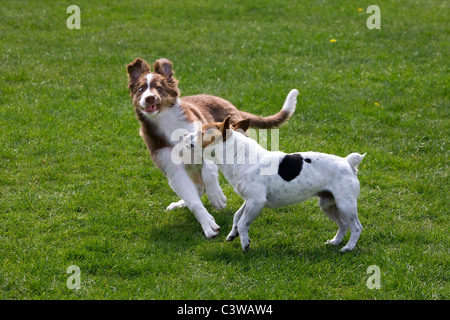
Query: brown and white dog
[161,111]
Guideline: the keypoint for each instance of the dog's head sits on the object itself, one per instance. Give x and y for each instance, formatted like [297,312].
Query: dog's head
[216,132]
[152,91]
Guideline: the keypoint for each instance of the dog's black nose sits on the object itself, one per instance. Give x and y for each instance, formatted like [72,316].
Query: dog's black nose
[150,100]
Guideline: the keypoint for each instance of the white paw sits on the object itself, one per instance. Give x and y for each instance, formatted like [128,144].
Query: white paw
[332,242]
[245,243]
[210,228]
[176,205]
[232,235]
[346,249]
[217,199]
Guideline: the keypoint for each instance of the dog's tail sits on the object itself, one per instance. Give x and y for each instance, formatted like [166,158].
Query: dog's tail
[354,159]
[277,119]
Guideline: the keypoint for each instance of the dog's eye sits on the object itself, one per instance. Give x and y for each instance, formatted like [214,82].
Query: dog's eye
[141,89]
[159,89]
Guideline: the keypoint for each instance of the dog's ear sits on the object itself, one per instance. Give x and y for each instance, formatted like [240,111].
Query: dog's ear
[135,69]
[225,128]
[242,125]
[164,68]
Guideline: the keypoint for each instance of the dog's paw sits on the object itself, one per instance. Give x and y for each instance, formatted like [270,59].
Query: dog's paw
[346,249]
[211,229]
[176,205]
[232,235]
[217,199]
[245,243]
[332,242]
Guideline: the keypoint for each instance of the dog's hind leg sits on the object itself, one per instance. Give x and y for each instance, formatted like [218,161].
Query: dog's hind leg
[349,213]
[328,206]
[234,230]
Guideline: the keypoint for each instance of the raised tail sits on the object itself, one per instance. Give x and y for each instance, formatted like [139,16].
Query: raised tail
[354,159]
[277,119]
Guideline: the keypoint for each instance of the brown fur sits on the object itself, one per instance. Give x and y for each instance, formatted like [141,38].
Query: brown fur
[149,133]
[216,130]
[203,108]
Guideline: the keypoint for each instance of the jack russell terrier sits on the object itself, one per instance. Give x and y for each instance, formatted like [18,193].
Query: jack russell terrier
[161,113]
[249,168]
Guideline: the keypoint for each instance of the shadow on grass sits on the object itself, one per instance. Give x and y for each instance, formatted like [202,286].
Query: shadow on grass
[181,231]
[232,253]
[184,234]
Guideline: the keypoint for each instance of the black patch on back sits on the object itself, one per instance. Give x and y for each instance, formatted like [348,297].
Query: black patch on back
[290,166]
[308,160]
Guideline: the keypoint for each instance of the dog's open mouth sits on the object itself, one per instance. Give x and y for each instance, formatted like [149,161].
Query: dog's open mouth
[151,108]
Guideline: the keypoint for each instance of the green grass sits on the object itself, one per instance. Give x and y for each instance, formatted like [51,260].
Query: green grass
[78,187]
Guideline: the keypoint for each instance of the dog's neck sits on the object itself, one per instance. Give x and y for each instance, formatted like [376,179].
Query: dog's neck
[239,153]
[171,124]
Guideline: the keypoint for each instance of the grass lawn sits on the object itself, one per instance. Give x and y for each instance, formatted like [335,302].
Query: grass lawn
[77,186]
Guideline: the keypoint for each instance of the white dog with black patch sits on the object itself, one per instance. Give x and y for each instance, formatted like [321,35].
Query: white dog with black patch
[297,177]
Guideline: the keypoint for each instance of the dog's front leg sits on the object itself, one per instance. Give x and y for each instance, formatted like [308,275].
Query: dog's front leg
[183,186]
[251,211]
[210,175]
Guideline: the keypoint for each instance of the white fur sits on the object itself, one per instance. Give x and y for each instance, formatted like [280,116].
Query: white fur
[173,125]
[186,189]
[291,101]
[333,174]
[172,122]
[176,205]
[210,174]
[147,93]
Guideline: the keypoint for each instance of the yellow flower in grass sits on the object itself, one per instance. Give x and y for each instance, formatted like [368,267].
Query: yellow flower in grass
[333,40]
[376,104]
[360,9]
